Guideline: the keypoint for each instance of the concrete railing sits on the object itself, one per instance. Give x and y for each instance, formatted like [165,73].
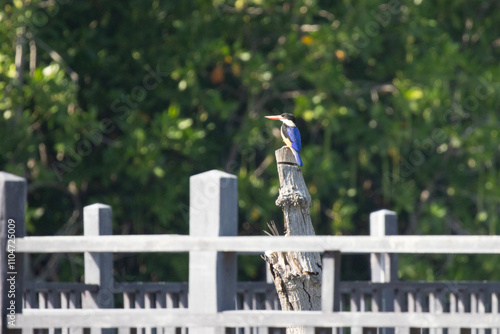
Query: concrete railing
[213,299]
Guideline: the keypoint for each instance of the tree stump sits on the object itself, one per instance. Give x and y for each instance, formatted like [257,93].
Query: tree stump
[296,275]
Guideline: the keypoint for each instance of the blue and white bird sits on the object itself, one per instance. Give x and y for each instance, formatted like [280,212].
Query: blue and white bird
[290,134]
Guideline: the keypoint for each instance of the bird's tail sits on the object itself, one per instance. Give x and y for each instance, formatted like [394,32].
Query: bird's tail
[297,157]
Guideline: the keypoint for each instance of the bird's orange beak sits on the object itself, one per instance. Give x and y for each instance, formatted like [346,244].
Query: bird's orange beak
[276,117]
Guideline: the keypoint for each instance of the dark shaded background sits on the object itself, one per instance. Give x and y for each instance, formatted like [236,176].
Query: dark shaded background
[119,102]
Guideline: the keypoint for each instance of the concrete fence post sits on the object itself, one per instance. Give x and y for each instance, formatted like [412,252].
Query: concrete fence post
[97,220]
[213,212]
[384,267]
[13,192]
[330,288]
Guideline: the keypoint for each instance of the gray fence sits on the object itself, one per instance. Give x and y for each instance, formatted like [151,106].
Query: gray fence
[213,299]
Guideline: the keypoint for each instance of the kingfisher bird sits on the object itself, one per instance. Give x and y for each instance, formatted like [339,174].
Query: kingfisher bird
[290,134]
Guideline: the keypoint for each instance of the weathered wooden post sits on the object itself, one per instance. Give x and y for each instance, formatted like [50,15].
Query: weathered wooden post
[13,193]
[213,212]
[296,275]
[97,220]
[384,267]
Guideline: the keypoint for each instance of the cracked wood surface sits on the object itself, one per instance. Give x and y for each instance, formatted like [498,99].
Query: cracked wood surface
[296,275]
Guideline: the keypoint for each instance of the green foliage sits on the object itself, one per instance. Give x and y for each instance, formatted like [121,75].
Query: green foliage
[120,102]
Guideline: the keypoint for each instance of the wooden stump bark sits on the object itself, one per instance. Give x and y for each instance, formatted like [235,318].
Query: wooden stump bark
[296,275]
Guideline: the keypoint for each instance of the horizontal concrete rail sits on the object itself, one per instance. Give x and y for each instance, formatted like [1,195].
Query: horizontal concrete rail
[112,318]
[441,244]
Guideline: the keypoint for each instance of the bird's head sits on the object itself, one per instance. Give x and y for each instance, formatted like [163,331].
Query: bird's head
[286,118]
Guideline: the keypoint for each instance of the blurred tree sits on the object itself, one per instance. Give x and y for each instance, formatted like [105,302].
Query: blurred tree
[120,102]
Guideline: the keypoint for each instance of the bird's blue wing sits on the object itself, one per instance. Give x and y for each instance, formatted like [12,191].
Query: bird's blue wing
[294,135]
